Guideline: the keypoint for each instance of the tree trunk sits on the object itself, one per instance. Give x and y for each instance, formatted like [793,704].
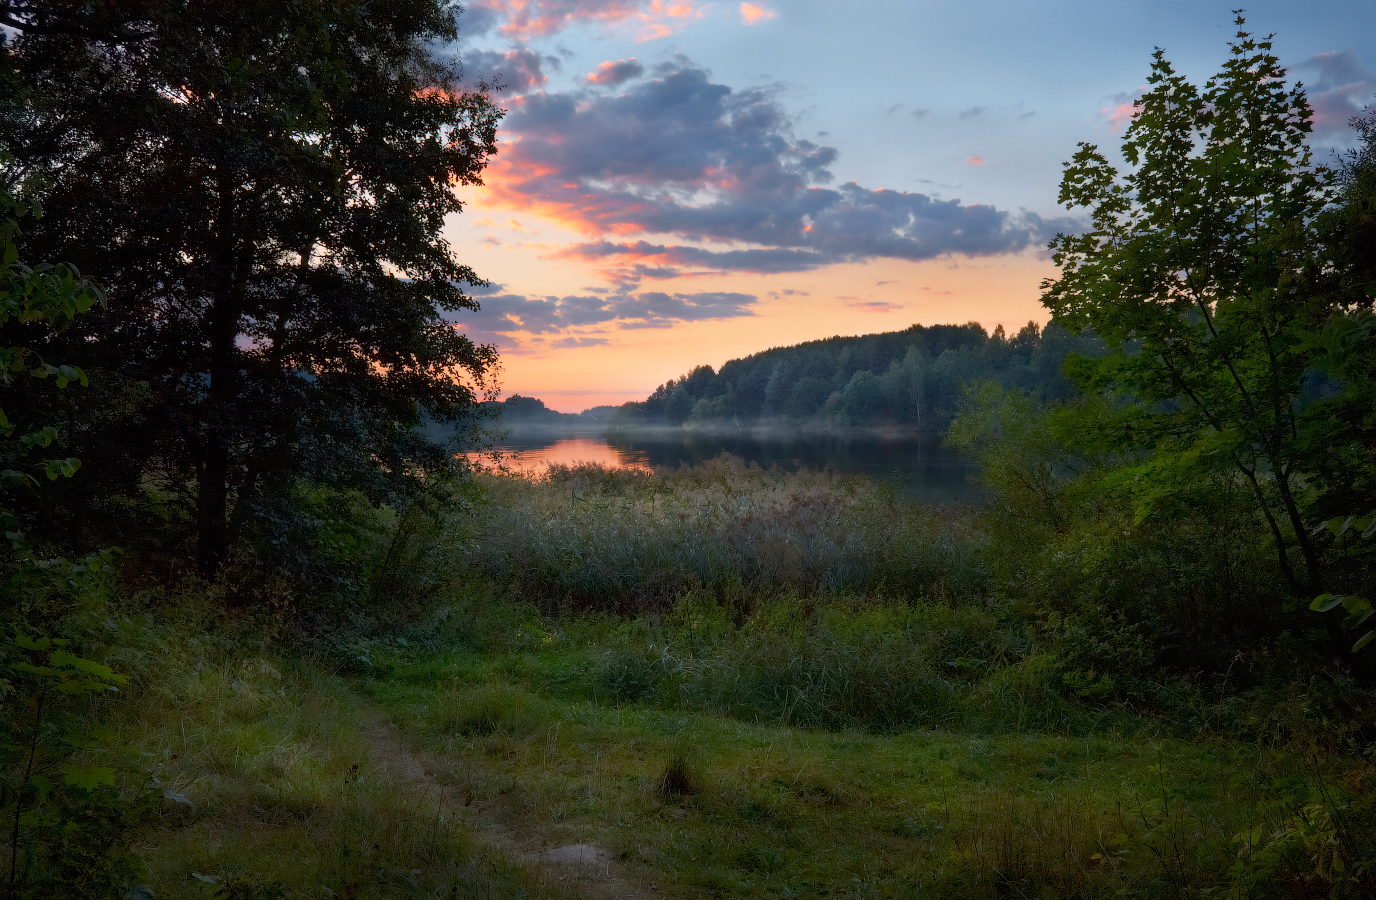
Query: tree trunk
[212,503]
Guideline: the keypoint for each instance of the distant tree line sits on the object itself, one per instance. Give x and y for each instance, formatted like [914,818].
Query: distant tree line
[911,379]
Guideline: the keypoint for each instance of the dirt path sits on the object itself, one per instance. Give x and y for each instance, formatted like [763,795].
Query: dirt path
[583,869]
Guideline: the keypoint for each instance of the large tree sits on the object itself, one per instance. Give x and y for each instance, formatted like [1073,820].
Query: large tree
[262,185]
[1214,269]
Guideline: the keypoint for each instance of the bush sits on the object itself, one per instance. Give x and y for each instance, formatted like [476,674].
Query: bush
[1181,592]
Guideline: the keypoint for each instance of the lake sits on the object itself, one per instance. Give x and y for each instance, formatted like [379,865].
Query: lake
[919,466]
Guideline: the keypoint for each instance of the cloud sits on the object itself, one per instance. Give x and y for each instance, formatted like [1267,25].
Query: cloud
[611,74]
[656,309]
[1120,115]
[475,21]
[677,260]
[524,19]
[682,156]
[504,315]
[876,306]
[1121,107]
[1342,88]
[972,112]
[974,161]
[752,14]
[516,70]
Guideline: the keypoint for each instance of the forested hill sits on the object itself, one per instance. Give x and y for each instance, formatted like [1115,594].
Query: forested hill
[908,379]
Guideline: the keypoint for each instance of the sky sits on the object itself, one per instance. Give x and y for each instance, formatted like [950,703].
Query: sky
[680,183]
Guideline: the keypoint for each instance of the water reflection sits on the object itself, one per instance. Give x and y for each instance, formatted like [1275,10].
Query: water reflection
[535,455]
[920,468]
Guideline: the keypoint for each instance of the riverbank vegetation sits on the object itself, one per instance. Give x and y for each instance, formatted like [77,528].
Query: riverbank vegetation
[263,639]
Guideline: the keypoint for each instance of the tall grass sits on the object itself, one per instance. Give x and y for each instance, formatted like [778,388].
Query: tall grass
[586,537]
[840,663]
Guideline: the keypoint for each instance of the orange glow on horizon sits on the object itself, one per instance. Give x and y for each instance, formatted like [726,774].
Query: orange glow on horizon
[847,299]
[611,362]
[568,452]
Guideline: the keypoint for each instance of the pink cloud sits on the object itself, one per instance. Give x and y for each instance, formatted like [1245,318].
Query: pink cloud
[1119,116]
[680,156]
[613,73]
[1340,87]
[974,161]
[751,14]
[524,19]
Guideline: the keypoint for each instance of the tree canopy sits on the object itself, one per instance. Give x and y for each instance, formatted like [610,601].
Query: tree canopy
[261,187]
[911,379]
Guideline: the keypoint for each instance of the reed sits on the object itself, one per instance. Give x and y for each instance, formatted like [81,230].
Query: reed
[586,537]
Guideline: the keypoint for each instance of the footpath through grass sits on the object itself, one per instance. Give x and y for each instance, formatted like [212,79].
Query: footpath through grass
[448,763]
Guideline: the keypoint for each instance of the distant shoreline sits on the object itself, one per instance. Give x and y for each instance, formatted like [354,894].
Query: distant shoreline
[751,431]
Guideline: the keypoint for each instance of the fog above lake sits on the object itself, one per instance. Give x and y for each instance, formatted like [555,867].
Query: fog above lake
[919,466]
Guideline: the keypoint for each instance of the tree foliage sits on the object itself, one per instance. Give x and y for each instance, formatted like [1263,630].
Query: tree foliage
[262,186]
[1211,268]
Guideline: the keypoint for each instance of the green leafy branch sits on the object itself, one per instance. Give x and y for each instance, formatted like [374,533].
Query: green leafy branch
[53,295]
[1359,609]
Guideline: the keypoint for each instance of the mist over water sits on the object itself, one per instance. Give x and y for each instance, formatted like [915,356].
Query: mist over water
[919,467]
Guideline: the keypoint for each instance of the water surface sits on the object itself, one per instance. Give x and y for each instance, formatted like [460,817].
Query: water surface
[918,466]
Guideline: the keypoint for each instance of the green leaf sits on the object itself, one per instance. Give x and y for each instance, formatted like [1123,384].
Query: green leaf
[24,642]
[96,670]
[88,778]
[1325,602]
[17,476]
[1356,605]
[61,468]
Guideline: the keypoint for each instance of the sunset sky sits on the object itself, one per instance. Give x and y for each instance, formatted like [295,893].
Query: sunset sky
[683,182]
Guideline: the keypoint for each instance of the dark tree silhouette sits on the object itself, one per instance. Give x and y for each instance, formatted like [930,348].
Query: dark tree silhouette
[261,186]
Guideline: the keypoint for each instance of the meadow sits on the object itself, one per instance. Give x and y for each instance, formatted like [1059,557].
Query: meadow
[707,682]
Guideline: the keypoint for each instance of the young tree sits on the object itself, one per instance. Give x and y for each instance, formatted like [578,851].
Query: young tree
[1205,268]
[262,186]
